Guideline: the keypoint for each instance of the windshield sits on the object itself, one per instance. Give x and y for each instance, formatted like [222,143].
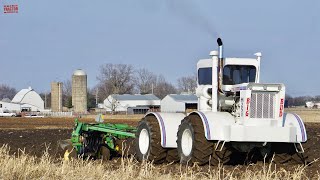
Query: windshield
[237,74]
[232,74]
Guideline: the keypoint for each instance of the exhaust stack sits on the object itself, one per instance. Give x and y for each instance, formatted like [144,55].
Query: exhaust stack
[220,67]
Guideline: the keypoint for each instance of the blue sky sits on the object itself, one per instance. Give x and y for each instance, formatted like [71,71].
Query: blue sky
[48,40]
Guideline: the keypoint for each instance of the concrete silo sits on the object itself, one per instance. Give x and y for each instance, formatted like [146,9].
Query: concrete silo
[56,96]
[79,91]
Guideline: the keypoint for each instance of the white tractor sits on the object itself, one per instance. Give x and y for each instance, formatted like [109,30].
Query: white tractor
[236,113]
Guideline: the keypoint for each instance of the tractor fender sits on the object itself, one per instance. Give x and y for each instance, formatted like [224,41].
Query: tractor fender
[292,119]
[169,124]
[216,124]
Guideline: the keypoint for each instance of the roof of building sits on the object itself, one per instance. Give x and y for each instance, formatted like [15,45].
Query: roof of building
[6,100]
[130,97]
[79,72]
[188,98]
[21,94]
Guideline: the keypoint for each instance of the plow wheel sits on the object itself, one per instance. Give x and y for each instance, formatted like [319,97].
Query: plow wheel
[193,147]
[69,153]
[148,142]
[104,153]
[221,157]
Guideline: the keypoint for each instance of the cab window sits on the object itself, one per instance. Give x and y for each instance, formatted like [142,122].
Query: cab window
[237,74]
[205,76]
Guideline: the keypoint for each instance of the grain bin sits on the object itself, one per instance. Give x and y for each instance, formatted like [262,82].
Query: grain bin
[79,91]
[56,96]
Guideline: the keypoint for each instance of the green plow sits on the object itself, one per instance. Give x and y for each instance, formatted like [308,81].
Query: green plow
[99,141]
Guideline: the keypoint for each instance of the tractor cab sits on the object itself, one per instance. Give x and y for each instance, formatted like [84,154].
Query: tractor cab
[239,71]
[236,71]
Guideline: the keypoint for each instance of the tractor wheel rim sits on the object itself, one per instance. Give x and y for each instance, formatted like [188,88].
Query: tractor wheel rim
[186,142]
[144,141]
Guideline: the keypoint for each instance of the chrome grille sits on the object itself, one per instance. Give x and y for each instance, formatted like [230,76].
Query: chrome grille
[262,105]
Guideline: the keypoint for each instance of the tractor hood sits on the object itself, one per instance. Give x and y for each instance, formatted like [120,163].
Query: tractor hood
[257,87]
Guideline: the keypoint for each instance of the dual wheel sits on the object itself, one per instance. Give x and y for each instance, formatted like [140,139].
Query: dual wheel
[193,147]
[148,143]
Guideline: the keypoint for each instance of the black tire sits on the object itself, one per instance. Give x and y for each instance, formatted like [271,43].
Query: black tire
[126,146]
[202,149]
[285,153]
[104,153]
[172,156]
[155,152]
[221,157]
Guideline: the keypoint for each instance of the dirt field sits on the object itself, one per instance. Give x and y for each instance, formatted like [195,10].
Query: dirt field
[34,135]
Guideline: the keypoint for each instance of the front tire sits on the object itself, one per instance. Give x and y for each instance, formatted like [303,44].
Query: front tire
[193,147]
[148,142]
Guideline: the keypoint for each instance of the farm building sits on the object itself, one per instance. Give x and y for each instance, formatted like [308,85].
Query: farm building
[179,103]
[6,106]
[29,100]
[131,104]
[310,104]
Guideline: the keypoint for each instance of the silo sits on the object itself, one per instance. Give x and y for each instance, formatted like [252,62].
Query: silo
[79,91]
[56,96]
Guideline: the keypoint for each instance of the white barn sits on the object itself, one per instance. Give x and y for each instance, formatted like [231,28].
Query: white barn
[179,102]
[131,104]
[29,100]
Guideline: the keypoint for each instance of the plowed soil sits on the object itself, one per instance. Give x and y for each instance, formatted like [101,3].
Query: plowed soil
[35,135]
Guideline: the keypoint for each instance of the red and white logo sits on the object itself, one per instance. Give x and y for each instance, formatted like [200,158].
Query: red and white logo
[13,8]
[247,107]
[281,107]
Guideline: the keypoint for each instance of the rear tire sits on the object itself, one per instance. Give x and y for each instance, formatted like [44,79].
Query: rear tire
[283,153]
[148,141]
[193,147]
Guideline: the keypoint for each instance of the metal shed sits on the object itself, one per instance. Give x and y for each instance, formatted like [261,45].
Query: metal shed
[179,103]
[125,102]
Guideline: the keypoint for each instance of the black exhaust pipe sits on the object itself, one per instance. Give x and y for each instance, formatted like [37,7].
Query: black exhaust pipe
[220,72]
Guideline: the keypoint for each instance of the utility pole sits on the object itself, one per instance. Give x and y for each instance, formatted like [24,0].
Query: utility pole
[97,90]
[152,88]
[45,100]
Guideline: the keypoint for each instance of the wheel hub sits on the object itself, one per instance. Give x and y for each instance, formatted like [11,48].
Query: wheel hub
[144,141]
[186,142]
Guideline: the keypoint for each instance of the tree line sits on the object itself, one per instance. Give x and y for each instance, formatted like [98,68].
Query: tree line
[126,79]
[119,79]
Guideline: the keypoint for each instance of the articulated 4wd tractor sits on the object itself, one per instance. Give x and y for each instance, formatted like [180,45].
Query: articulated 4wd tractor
[236,113]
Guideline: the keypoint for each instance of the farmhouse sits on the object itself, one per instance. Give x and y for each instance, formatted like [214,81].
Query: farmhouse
[179,103]
[131,104]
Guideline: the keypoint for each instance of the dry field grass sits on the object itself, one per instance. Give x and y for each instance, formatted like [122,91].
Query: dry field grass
[307,115]
[23,166]
[35,134]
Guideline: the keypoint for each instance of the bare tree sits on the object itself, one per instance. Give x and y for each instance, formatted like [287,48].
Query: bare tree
[7,92]
[187,84]
[67,93]
[115,79]
[163,87]
[145,81]
[113,104]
